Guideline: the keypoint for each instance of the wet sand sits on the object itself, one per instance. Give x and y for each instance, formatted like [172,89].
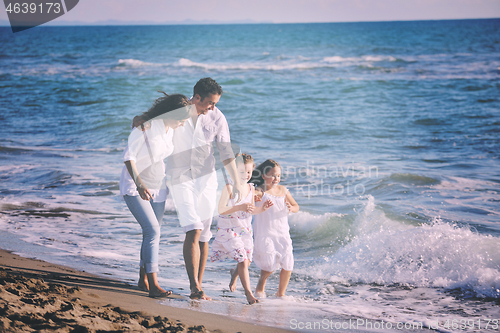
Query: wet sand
[37,296]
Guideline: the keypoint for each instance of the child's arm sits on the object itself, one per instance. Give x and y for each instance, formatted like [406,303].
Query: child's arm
[292,205]
[224,209]
[258,197]
[265,206]
[258,194]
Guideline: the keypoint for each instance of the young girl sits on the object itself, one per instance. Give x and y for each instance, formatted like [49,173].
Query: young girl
[273,245]
[233,239]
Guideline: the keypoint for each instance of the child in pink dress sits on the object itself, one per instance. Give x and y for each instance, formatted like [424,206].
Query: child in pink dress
[233,239]
[273,245]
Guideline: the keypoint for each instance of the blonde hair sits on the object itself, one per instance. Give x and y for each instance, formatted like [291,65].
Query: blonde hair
[244,158]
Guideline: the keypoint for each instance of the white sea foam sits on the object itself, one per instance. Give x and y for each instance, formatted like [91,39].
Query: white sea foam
[474,68]
[399,272]
[465,184]
[282,63]
[436,255]
[104,254]
[136,63]
[423,258]
[14,169]
[305,220]
[362,59]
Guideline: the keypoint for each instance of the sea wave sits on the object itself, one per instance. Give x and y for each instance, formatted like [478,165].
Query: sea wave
[449,66]
[279,63]
[136,63]
[277,66]
[436,66]
[413,179]
[365,58]
[439,254]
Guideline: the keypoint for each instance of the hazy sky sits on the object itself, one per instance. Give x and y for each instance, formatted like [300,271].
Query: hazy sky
[278,11]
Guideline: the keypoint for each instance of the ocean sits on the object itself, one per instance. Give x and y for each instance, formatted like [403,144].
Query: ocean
[387,133]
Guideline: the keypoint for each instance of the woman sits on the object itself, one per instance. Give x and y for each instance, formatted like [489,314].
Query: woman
[142,182]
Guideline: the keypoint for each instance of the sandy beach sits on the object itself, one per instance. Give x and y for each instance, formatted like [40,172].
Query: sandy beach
[39,296]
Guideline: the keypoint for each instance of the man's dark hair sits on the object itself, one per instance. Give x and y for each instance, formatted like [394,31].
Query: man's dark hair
[207,86]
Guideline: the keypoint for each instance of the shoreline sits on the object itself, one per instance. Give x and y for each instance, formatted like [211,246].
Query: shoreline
[35,295]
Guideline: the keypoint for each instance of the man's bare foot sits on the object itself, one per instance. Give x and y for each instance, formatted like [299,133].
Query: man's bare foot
[260,294]
[199,294]
[250,298]
[234,279]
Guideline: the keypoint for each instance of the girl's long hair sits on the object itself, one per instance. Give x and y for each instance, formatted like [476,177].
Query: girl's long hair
[261,170]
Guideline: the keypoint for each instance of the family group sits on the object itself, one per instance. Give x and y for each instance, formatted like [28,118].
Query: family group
[185,133]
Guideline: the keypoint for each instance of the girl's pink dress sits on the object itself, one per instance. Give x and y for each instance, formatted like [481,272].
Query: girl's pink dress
[233,239]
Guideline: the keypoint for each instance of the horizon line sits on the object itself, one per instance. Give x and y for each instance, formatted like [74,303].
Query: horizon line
[6,23]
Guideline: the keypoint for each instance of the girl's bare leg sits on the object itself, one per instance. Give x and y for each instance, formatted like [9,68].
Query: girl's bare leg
[245,281]
[284,279]
[143,280]
[261,285]
[234,278]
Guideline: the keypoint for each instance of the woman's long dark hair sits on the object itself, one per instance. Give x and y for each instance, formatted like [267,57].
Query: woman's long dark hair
[261,170]
[166,104]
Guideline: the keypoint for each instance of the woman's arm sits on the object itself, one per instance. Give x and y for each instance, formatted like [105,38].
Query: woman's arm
[141,188]
[258,194]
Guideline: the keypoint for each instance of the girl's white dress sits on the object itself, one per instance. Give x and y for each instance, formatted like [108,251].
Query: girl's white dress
[272,243]
[233,239]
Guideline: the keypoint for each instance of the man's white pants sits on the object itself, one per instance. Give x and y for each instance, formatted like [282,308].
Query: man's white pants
[195,201]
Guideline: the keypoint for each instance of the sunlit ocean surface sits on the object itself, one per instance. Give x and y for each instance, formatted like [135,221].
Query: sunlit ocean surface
[388,134]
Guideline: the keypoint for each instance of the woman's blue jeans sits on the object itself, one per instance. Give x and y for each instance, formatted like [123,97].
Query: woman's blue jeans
[149,215]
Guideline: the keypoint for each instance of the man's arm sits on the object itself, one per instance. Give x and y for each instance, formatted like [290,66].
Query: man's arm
[223,143]
[230,166]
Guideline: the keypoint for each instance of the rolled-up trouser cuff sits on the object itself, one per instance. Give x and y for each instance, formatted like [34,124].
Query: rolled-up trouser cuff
[206,234]
[150,267]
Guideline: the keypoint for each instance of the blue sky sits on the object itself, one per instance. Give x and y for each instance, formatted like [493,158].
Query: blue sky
[277,11]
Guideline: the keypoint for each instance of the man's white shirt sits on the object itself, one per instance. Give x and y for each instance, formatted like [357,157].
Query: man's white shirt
[193,154]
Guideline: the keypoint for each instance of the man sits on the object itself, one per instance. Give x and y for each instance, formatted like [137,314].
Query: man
[193,179]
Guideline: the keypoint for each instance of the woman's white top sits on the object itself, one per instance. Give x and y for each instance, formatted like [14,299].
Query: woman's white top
[148,149]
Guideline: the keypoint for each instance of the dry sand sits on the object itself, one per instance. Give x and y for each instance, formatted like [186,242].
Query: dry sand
[36,296]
